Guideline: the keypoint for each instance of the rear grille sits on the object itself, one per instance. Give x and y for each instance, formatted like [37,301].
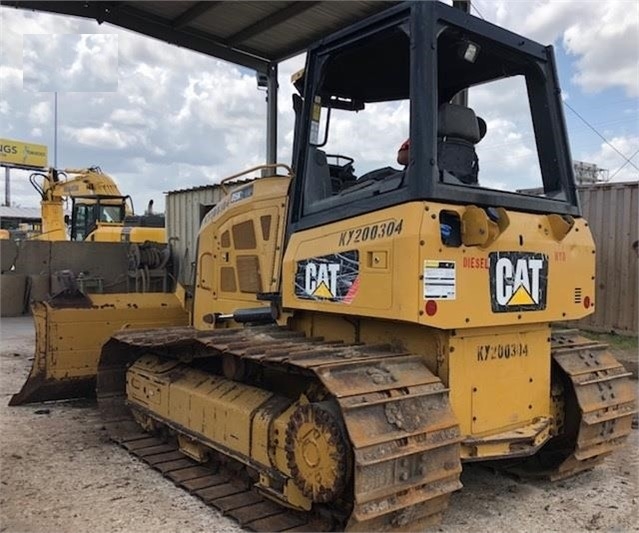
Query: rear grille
[577,297]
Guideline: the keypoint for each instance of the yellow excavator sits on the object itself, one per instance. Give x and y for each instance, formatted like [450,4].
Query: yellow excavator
[99,212]
[355,339]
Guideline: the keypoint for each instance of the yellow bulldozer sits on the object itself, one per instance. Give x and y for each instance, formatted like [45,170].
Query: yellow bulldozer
[355,339]
[72,326]
[99,212]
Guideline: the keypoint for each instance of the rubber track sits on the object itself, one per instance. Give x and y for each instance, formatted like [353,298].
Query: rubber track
[404,435]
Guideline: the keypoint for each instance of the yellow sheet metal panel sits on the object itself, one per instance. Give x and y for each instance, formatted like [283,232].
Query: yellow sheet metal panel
[22,154]
[332,268]
[53,227]
[117,233]
[219,409]
[505,367]
[229,276]
[143,387]
[515,272]
[260,448]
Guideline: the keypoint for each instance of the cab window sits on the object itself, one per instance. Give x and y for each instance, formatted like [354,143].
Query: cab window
[358,103]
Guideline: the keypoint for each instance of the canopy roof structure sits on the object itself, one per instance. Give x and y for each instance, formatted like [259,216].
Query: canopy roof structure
[251,34]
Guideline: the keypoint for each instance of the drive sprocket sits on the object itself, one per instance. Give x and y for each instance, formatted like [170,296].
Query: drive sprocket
[316,452]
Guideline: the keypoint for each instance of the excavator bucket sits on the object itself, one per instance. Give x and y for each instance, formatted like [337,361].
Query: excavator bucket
[70,333]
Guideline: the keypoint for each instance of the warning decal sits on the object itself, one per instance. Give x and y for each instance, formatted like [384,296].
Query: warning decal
[440,281]
[518,281]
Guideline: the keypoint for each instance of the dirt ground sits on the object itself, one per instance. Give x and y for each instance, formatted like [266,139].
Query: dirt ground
[59,473]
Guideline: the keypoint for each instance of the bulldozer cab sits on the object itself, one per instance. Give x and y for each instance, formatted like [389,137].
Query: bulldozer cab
[89,212]
[414,66]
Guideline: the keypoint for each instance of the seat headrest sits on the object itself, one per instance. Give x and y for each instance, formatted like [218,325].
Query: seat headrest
[459,121]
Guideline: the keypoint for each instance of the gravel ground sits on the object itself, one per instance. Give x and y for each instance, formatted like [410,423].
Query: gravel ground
[59,473]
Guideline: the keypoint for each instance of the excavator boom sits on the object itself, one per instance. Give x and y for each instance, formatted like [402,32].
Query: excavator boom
[99,210]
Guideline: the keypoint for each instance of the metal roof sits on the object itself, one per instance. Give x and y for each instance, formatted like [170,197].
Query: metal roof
[209,186]
[32,213]
[252,34]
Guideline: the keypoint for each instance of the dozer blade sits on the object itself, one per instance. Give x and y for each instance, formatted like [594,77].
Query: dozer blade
[70,335]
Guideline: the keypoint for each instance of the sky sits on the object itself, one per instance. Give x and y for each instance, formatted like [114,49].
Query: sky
[159,118]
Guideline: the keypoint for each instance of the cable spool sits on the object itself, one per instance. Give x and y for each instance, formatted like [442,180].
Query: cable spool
[144,258]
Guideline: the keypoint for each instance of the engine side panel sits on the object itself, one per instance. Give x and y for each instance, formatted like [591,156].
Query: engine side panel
[239,246]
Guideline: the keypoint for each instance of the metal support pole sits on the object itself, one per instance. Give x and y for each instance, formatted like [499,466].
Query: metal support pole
[271,114]
[461,98]
[7,187]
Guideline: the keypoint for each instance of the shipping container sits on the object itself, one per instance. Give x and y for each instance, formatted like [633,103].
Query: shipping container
[611,211]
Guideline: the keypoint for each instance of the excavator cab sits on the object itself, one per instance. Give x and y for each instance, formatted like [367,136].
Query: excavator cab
[89,212]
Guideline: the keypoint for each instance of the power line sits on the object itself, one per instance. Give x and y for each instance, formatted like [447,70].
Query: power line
[473,6]
[621,167]
[600,135]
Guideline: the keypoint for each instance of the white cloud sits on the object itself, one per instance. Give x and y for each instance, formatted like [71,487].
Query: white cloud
[603,36]
[40,113]
[226,95]
[608,158]
[607,48]
[97,55]
[10,79]
[106,137]
[70,62]
[129,117]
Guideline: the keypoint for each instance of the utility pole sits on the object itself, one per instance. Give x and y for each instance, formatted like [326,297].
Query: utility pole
[7,187]
[55,129]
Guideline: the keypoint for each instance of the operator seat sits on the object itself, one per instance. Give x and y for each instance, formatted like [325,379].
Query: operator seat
[458,131]
[317,184]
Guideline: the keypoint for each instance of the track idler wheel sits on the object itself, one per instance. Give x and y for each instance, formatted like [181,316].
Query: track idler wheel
[317,452]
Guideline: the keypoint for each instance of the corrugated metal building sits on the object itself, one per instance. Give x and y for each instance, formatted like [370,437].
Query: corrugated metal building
[11,217]
[184,212]
[612,213]
[185,209]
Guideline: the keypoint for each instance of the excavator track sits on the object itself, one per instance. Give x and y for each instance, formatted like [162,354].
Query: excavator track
[401,429]
[598,400]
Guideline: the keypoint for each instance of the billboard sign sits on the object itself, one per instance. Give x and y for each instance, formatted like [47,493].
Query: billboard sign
[22,154]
